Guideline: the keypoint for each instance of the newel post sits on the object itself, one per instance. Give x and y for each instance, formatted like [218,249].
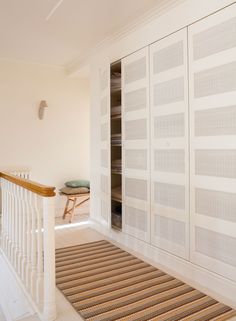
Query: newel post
[49,309]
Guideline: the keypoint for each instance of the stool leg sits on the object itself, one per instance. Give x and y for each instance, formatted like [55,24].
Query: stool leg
[73,210]
[66,209]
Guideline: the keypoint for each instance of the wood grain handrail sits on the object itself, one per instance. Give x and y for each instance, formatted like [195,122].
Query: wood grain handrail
[42,190]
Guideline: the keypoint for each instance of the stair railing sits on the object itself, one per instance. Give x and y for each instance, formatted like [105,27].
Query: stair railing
[28,241]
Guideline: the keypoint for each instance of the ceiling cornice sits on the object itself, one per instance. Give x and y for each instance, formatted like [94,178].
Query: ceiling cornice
[162,7]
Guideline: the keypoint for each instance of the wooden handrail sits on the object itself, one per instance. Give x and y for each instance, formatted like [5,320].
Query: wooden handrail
[42,190]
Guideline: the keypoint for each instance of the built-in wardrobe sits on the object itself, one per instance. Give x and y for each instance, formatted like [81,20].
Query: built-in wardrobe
[173,106]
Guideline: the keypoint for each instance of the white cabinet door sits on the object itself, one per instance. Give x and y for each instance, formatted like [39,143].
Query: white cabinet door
[105,144]
[212,61]
[135,142]
[169,144]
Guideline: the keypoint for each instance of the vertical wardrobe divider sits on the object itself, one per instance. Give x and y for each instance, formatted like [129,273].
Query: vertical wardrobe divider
[212,74]
[169,144]
[136,158]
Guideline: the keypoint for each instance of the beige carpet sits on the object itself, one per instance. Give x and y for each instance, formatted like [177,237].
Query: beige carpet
[105,283]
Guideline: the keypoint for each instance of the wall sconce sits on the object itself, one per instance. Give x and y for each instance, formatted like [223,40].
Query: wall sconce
[43,104]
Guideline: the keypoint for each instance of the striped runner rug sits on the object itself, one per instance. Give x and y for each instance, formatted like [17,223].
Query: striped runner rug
[106,283]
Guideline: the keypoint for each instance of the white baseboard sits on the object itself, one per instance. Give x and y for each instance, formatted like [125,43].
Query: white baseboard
[13,302]
[212,284]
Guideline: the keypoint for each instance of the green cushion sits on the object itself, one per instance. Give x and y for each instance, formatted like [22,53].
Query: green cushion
[74,190]
[78,183]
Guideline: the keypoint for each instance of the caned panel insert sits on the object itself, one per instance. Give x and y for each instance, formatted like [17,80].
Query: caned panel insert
[169,195]
[216,121]
[215,39]
[219,163]
[104,158]
[216,245]
[104,183]
[170,229]
[136,100]
[104,106]
[104,132]
[104,210]
[136,188]
[169,92]
[216,204]
[169,160]
[136,218]
[136,159]
[136,129]
[217,80]
[135,70]
[169,57]
[169,126]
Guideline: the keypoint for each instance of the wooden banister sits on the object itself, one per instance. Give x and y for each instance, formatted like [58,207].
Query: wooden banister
[42,190]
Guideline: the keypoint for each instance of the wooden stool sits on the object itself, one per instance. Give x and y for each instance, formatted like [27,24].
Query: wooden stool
[73,198]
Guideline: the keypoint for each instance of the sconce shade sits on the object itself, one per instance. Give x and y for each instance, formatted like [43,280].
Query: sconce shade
[43,104]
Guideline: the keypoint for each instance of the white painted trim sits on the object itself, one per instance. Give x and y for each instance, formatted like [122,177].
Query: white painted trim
[175,14]
[222,289]
[78,63]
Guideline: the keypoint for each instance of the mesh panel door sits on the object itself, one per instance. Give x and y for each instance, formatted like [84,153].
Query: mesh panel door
[169,145]
[212,74]
[105,144]
[135,127]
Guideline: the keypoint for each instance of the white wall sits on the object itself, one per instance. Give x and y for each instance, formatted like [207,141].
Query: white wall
[56,148]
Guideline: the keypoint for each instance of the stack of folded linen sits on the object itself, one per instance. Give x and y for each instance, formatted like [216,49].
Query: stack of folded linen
[116,139]
[116,165]
[116,110]
[115,81]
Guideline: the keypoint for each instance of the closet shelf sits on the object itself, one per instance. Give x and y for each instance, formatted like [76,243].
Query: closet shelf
[116,227]
[115,117]
[118,172]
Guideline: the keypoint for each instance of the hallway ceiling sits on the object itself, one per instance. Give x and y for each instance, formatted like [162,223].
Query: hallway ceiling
[59,32]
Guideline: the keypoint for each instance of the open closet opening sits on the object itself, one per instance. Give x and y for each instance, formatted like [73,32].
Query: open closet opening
[116,146]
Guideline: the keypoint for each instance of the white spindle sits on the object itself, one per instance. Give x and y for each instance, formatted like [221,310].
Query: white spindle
[28,239]
[33,246]
[49,259]
[39,281]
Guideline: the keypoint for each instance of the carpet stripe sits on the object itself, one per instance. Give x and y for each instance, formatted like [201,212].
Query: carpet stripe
[110,264]
[185,310]
[96,284]
[105,283]
[208,313]
[138,291]
[128,301]
[80,256]
[81,246]
[75,252]
[87,258]
[225,316]
[112,287]
[145,307]
[92,261]
[113,275]
[109,270]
